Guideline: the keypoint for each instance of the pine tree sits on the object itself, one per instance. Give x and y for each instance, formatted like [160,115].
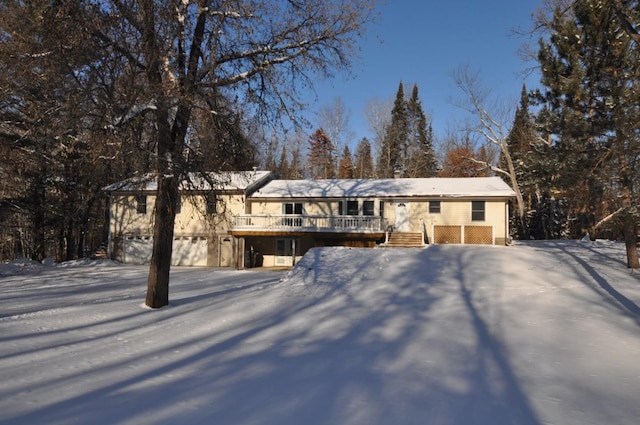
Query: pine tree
[532,166]
[297,168]
[394,144]
[283,166]
[420,157]
[219,141]
[270,163]
[321,157]
[363,167]
[345,168]
[591,74]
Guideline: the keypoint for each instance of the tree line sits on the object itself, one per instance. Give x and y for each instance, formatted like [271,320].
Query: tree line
[93,92]
[575,142]
[405,147]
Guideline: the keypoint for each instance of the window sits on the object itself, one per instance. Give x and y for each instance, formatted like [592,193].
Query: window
[292,208]
[355,207]
[141,204]
[212,203]
[367,208]
[477,210]
[284,247]
[352,207]
[178,204]
[434,207]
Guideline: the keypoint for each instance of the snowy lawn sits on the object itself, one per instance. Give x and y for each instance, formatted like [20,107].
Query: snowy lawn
[537,333]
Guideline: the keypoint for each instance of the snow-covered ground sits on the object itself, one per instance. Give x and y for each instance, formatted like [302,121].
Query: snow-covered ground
[537,333]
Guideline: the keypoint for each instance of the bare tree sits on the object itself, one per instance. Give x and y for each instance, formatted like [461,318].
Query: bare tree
[182,53]
[334,120]
[378,115]
[494,131]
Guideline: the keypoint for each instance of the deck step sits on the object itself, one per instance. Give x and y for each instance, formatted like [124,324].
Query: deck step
[405,240]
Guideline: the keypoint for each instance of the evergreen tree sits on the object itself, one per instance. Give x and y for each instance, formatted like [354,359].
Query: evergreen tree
[218,141]
[58,142]
[270,163]
[345,168]
[591,75]
[532,165]
[297,168]
[283,166]
[363,167]
[321,157]
[394,144]
[420,157]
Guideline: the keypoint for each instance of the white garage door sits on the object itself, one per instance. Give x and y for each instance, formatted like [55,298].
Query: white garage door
[187,250]
[137,249]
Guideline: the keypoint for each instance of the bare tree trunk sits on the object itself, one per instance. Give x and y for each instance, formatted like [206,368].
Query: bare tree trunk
[165,213]
[631,241]
[38,252]
[167,191]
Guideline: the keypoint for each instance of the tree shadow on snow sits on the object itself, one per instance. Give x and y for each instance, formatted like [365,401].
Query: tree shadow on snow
[613,296]
[414,349]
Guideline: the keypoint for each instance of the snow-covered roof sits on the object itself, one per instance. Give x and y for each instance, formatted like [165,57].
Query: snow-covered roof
[387,188]
[223,181]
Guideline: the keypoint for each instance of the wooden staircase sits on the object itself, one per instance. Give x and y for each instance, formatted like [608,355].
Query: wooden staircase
[404,240]
[100,254]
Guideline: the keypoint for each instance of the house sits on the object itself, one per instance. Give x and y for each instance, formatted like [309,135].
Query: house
[246,219]
[206,208]
[284,218]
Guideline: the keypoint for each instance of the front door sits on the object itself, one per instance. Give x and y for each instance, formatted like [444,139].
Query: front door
[402,217]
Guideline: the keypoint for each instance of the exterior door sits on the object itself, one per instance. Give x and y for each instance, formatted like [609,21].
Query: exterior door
[402,217]
[285,250]
[225,252]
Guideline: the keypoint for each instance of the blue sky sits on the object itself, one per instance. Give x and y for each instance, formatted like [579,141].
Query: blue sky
[423,42]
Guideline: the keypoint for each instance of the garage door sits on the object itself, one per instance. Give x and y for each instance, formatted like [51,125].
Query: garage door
[187,250]
[137,249]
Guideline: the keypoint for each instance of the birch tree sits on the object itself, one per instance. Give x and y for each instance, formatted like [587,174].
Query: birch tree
[334,119]
[494,131]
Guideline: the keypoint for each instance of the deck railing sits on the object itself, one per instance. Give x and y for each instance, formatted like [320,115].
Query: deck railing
[295,222]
